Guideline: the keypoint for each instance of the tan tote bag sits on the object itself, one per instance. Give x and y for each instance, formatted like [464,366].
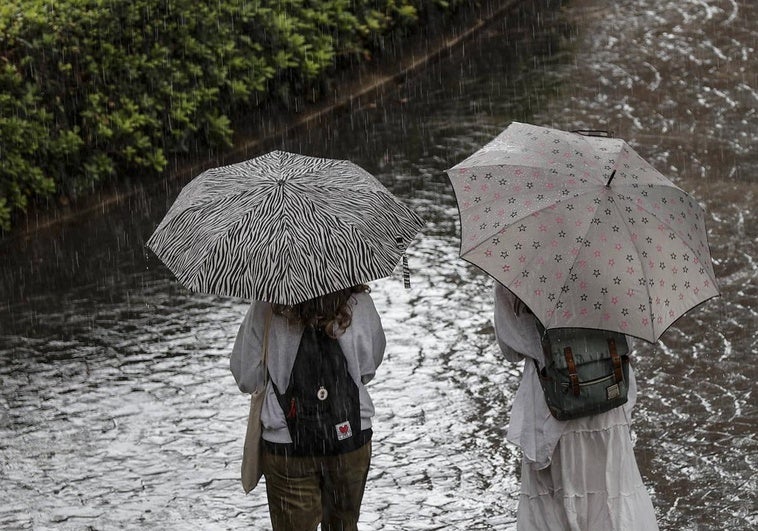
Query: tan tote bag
[252,452]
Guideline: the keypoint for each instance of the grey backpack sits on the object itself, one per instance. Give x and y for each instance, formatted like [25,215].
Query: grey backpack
[586,371]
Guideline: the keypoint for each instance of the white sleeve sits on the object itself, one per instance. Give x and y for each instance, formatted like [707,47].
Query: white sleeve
[245,362]
[364,341]
[379,340]
[378,345]
[516,335]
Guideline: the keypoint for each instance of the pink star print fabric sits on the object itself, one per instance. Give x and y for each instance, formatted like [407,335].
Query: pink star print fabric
[583,230]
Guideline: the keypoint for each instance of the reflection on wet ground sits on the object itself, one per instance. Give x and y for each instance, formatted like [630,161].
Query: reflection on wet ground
[117,407]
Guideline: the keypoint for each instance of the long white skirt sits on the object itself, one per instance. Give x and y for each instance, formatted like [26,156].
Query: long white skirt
[592,484]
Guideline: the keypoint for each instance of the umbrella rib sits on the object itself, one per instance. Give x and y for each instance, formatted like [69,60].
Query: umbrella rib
[576,258]
[642,266]
[200,205]
[666,223]
[496,167]
[523,216]
[241,222]
[369,242]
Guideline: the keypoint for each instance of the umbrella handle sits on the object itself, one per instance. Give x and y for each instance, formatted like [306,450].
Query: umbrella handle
[406,270]
[594,132]
[406,273]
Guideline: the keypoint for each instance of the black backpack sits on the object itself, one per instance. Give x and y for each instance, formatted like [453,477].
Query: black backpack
[321,403]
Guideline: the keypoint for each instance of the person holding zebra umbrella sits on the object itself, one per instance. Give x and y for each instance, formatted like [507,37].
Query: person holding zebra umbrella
[300,236]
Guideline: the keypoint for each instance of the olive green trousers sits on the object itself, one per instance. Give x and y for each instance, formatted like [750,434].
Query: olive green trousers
[305,491]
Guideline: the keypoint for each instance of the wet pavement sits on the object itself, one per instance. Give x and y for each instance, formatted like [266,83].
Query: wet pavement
[117,409]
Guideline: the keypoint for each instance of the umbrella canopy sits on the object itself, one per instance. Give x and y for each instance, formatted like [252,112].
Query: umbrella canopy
[583,230]
[283,228]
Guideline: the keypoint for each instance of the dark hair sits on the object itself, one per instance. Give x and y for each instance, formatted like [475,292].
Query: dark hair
[330,312]
[519,306]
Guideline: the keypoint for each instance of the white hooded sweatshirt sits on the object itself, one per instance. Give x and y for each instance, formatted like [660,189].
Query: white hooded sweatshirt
[362,343]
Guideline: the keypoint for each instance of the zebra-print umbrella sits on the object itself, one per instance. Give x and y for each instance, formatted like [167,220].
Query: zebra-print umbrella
[283,228]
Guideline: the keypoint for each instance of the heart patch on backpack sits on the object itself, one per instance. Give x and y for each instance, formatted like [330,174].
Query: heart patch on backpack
[344,431]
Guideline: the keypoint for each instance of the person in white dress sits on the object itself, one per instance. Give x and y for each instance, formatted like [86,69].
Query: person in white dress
[579,474]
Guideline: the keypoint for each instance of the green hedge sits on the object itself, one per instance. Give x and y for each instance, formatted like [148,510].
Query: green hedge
[94,90]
